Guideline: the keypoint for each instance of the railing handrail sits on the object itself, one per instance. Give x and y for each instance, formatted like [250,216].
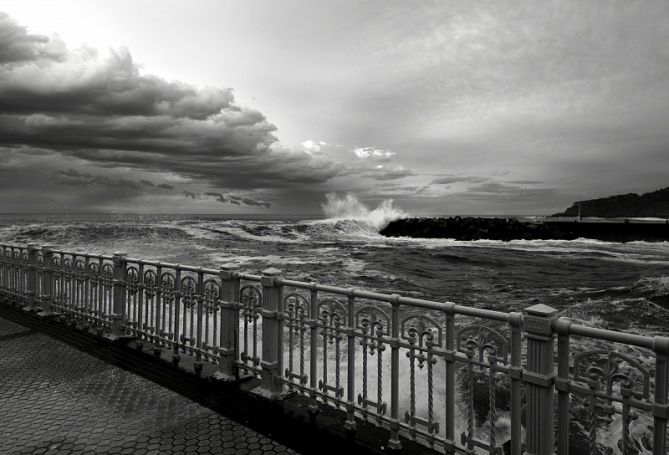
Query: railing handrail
[645,341]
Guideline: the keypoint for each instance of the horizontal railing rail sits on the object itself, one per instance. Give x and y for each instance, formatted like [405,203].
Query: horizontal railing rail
[456,378]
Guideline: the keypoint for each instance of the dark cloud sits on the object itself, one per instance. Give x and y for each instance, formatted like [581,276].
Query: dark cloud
[252,203]
[73,177]
[499,191]
[525,182]
[227,199]
[447,180]
[236,200]
[218,196]
[105,112]
[387,174]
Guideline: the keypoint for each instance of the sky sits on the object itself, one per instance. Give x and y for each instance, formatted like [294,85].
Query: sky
[446,107]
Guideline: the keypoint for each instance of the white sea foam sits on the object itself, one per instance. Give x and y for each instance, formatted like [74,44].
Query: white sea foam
[350,208]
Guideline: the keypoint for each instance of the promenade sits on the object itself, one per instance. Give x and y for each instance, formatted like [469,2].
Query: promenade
[57,399]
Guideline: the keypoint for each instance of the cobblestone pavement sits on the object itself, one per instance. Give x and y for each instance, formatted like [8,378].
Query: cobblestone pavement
[57,399]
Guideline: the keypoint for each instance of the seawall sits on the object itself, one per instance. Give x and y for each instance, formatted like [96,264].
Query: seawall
[470,228]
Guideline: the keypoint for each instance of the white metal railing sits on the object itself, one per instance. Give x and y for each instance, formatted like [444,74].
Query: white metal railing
[446,375]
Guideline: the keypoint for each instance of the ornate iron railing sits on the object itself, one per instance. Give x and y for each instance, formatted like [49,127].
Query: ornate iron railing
[458,379]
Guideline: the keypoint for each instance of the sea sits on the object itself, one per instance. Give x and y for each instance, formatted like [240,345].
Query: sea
[618,286]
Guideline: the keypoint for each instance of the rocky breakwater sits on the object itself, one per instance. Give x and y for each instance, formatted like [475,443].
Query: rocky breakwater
[471,228]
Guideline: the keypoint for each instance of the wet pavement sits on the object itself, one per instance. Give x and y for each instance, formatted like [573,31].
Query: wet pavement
[57,399]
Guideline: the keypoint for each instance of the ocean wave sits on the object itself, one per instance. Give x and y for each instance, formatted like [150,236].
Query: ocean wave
[350,208]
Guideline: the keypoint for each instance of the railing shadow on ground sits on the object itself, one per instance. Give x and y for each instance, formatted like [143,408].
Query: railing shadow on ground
[453,378]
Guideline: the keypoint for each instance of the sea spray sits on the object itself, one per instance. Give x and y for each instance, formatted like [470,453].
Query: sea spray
[350,208]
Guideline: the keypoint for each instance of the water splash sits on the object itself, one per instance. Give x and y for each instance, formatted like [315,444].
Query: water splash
[350,208]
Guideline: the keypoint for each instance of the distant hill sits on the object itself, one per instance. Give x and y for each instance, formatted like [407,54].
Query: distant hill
[654,204]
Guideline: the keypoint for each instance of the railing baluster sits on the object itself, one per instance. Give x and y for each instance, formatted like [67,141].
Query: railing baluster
[468,438]
[157,315]
[140,306]
[313,349]
[515,372]
[394,442]
[492,439]
[178,292]
[562,386]
[101,293]
[661,407]
[449,358]
[350,423]
[198,334]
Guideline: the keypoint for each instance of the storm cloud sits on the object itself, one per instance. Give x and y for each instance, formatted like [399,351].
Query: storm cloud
[102,110]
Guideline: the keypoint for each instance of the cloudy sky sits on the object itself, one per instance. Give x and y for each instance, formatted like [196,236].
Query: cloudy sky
[502,107]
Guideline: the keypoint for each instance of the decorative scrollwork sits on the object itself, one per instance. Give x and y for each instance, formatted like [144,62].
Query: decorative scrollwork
[79,270]
[188,291]
[211,293]
[608,369]
[93,269]
[250,297]
[251,300]
[296,306]
[372,322]
[422,331]
[132,279]
[107,274]
[423,334]
[482,341]
[331,313]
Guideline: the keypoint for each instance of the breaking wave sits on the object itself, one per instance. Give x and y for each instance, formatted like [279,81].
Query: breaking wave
[350,208]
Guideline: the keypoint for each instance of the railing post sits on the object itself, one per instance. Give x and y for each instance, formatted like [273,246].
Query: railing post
[229,335]
[31,288]
[48,287]
[661,406]
[119,278]
[539,378]
[271,385]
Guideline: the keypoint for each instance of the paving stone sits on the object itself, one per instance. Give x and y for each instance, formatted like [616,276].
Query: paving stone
[59,400]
